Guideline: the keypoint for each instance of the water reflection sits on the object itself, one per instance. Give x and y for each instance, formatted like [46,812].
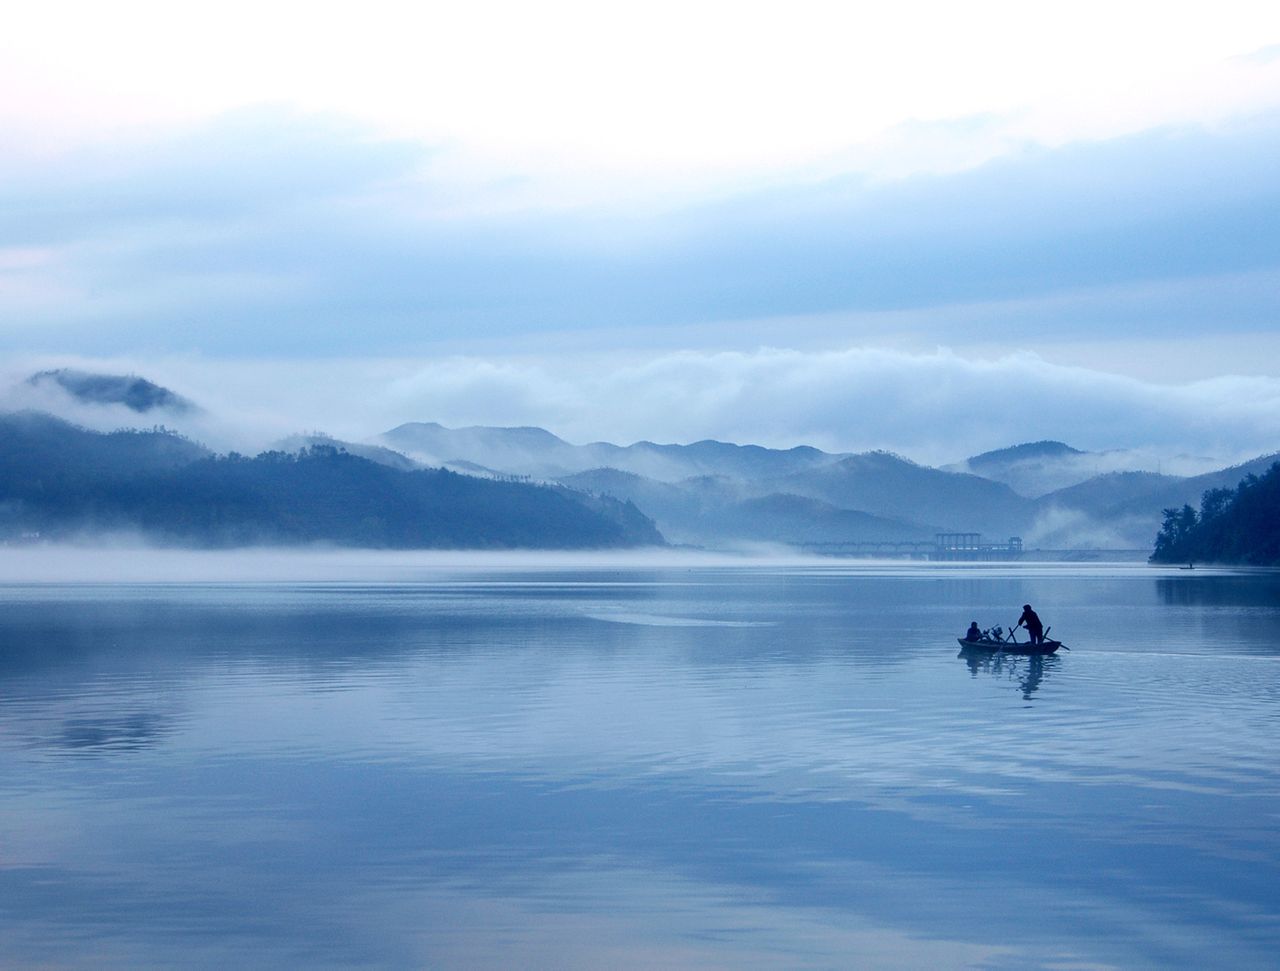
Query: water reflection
[1028,671]
[109,734]
[1221,590]
[631,767]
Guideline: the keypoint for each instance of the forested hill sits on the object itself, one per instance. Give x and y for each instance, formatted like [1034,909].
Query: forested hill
[1240,525]
[60,481]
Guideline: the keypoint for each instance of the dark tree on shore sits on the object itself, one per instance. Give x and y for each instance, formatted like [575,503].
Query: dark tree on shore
[1240,525]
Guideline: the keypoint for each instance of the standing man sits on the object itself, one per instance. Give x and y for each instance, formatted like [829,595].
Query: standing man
[1032,621]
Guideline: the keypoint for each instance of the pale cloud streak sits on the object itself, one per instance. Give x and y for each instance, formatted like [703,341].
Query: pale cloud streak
[935,407]
[281,195]
[277,233]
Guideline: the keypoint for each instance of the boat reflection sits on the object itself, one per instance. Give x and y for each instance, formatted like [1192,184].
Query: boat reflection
[1027,670]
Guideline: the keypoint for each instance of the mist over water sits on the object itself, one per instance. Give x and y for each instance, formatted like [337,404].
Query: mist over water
[483,761]
[128,557]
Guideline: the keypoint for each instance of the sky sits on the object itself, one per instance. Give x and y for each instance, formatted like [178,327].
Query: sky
[936,228]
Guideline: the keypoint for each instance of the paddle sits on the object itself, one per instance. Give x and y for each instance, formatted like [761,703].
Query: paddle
[1060,644]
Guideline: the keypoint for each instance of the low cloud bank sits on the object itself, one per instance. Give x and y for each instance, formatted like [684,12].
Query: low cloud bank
[935,408]
[278,232]
[1059,528]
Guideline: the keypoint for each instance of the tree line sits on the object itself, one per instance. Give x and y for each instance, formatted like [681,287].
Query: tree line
[1240,525]
[61,481]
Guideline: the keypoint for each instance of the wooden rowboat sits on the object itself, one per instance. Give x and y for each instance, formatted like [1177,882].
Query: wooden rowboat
[1009,647]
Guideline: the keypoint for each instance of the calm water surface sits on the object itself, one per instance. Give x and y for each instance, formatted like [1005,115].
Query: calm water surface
[407,763]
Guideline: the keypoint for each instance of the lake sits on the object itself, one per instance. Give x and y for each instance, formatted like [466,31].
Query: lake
[400,760]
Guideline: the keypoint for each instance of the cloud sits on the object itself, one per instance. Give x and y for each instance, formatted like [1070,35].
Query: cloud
[1057,528]
[697,92]
[257,163]
[1264,55]
[273,232]
[936,408]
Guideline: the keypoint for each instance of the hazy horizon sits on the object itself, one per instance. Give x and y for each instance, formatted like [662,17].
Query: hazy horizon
[254,405]
[593,706]
[928,230]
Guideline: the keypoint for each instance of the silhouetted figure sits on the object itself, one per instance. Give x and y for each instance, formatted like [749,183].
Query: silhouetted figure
[1031,620]
[973,634]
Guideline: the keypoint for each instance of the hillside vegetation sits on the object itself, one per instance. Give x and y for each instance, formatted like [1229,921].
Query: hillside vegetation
[1240,525]
[59,481]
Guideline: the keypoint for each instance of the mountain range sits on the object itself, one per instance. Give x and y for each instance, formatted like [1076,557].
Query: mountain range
[59,481]
[713,493]
[707,493]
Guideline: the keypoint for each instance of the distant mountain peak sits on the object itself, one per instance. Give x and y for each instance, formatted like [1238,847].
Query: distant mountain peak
[374,453]
[525,434]
[878,458]
[135,393]
[506,449]
[1046,449]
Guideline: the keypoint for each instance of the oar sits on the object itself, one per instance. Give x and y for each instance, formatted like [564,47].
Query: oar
[1046,637]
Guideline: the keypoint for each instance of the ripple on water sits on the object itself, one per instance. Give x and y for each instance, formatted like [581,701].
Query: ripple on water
[707,766]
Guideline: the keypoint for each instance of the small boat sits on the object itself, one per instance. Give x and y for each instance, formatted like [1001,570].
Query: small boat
[1009,647]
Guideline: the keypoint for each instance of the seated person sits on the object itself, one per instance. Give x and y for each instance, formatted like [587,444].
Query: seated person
[973,634]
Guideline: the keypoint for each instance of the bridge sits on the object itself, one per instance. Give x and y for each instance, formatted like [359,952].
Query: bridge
[945,547]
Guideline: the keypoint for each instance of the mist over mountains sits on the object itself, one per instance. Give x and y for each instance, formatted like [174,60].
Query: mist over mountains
[61,482]
[135,393]
[711,493]
[424,484]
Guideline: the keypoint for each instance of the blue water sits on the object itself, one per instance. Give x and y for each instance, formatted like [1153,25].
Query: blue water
[411,763]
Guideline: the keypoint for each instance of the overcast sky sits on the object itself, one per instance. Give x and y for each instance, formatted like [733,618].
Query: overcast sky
[853,228]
